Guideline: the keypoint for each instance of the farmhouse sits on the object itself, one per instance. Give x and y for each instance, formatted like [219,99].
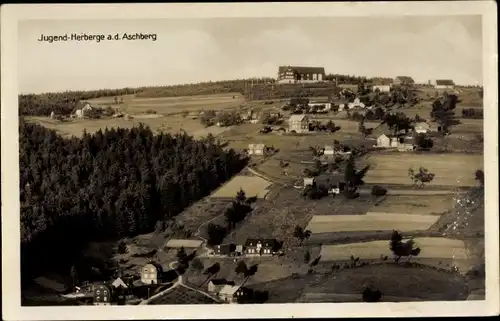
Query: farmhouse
[231,293]
[225,249]
[299,75]
[215,285]
[151,273]
[102,295]
[298,123]
[403,81]
[384,141]
[187,244]
[443,83]
[256,149]
[422,128]
[261,246]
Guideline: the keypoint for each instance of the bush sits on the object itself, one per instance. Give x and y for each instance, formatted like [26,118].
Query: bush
[378,191]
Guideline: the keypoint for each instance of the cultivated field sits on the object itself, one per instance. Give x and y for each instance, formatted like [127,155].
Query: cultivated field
[172,105]
[182,295]
[432,248]
[371,222]
[429,204]
[449,169]
[252,185]
[392,280]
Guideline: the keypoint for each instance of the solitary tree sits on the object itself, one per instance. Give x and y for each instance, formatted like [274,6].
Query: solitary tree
[421,177]
[307,257]
[73,275]
[301,234]
[241,268]
[197,265]
[241,196]
[400,248]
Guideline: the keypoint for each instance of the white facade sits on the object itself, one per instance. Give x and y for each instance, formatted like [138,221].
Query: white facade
[308,181]
[329,150]
[299,123]
[383,141]
[326,106]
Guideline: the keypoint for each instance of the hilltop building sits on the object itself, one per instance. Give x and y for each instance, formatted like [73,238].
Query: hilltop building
[300,75]
[442,83]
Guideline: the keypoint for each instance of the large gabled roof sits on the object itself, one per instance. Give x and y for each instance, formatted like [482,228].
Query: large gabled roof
[444,82]
[302,70]
[297,117]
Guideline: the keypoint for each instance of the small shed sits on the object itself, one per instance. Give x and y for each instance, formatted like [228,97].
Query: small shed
[231,293]
[256,149]
[187,244]
[329,150]
[308,181]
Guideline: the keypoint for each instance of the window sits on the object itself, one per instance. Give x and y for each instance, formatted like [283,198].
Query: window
[105,299]
[98,292]
[145,270]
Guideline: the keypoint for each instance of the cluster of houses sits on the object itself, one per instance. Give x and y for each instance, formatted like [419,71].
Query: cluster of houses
[252,247]
[407,143]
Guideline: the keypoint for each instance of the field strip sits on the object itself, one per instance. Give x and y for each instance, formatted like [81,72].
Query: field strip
[419,192]
[371,222]
[252,185]
[432,248]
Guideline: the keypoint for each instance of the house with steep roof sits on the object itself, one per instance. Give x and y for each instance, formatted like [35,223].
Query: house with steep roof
[232,293]
[119,283]
[422,128]
[443,83]
[215,285]
[300,75]
[101,295]
[298,123]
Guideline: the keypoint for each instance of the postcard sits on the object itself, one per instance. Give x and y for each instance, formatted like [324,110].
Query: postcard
[249,160]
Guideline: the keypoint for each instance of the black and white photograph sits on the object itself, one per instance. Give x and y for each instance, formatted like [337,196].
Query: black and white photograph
[221,159]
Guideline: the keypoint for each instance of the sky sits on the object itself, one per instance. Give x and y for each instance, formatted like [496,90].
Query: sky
[197,50]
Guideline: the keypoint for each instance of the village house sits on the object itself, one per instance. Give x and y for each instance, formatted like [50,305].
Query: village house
[324,106]
[256,149]
[151,273]
[329,150]
[215,285]
[384,141]
[442,83]
[356,104]
[102,295]
[300,75]
[224,249]
[261,246]
[232,293]
[403,81]
[298,123]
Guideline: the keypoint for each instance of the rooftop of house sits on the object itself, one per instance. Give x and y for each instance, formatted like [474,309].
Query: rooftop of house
[302,70]
[298,117]
[229,289]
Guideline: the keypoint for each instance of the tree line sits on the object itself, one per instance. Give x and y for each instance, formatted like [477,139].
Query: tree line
[111,184]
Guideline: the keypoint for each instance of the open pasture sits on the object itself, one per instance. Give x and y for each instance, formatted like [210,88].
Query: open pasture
[392,280]
[371,221]
[170,105]
[410,204]
[171,124]
[252,185]
[449,169]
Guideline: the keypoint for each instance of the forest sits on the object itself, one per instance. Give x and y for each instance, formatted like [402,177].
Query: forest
[111,184]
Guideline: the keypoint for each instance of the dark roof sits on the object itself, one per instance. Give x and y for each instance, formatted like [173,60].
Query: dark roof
[226,247]
[265,242]
[221,282]
[302,70]
[445,82]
